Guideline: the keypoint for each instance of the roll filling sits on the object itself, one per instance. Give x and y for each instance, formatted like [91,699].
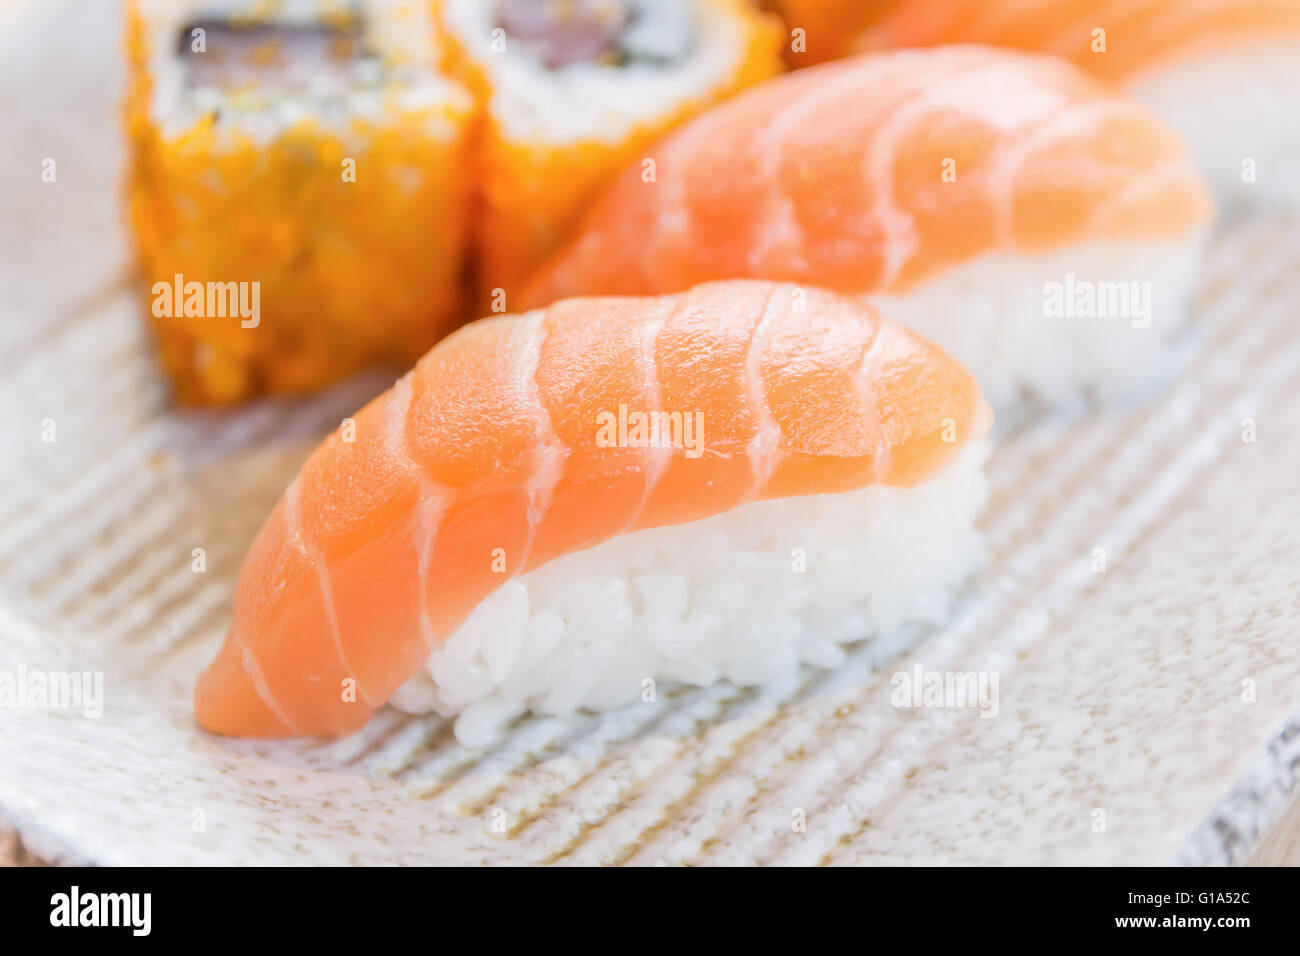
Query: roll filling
[608,32]
[275,57]
[309,153]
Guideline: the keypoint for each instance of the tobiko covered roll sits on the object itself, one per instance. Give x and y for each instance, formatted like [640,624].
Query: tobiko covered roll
[305,161]
[571,91]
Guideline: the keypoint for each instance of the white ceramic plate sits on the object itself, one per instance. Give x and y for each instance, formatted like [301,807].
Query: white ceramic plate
[1148,714]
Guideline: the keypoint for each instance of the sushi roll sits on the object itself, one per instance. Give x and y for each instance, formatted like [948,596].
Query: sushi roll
[1224,73]
[1040,226]
[573,90]
[554,509]
[297,188]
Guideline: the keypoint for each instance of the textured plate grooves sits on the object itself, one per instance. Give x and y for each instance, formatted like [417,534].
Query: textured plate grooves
[645,736]
[146,510]
[97,483]
[128,461]
[160,576]
[92,563]
[95,540]
[551,828]
[70,332]
[157,541]
[1069,588]
[640,809]
[25,350]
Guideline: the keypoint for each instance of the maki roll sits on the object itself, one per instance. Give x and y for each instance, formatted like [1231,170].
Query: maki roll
[297,188]
[571,91]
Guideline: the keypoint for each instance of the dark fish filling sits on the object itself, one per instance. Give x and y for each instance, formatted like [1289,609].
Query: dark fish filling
[292,58]
[607,32]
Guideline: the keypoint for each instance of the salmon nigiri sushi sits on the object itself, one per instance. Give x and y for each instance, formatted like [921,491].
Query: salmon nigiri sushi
[555,510]
[1039,225]
[1224,73]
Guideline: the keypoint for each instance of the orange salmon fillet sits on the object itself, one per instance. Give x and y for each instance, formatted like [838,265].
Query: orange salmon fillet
[872,173]
[484,463]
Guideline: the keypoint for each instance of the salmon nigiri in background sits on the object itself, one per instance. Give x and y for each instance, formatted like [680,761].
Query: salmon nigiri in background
[445,538]
[1038,224]
[1224,73]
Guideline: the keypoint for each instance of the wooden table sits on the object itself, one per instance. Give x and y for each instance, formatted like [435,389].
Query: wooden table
[13,853]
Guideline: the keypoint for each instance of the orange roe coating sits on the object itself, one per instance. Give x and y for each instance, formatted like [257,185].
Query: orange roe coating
[531,194]
[351,272]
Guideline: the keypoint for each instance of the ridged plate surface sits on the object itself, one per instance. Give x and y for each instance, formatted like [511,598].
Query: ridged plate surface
[1159,698]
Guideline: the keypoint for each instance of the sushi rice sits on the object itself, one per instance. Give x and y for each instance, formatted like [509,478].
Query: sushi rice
[1233,106]
[721,598]
[996,314]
